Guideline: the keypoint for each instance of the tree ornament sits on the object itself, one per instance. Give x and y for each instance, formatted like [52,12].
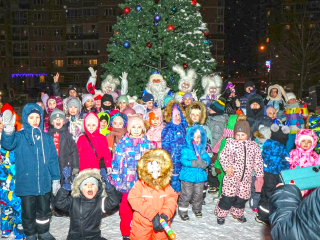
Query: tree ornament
[185,66]
[157,17]
[138,8]
[126,45]
[206,34]
[117,32]
[174,9]
[170,27]
[194,2]
[126,10]
[157,1]
[156,23]
[149,44]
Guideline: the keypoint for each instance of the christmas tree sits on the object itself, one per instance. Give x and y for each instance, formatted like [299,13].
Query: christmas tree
[155,35]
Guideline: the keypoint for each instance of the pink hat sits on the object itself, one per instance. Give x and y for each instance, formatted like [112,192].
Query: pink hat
[92,118]
[128,111]
[135,120]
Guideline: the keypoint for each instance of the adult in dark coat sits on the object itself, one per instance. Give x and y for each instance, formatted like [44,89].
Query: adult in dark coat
[293,217]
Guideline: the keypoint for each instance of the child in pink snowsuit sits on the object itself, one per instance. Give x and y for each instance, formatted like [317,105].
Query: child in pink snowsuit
[303,155]
[155,119]
[238,159]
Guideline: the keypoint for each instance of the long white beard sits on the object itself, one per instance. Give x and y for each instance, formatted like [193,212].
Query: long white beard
[159,92]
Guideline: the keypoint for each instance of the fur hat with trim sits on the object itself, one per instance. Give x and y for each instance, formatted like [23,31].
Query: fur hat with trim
[83,175]
[164,160]
[203,112]
[291,95]
[132,99]
[187,79]
[212,84]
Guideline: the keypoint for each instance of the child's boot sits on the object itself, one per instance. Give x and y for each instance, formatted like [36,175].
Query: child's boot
[221,220]
[241,219]
[46,236]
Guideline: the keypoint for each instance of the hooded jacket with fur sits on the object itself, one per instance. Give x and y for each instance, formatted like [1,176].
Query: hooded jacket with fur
[154,133]
[85,214]
[36,157]
[87,156]
[301,157]
[279,101]
[188,154]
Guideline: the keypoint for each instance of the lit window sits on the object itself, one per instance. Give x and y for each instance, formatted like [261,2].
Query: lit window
[268,40]
[77,62]
[93,62]
[268,13]
[58,63]
[312,25]
[288,27]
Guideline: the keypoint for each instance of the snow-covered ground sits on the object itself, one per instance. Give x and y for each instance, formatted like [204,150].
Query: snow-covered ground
[205,228]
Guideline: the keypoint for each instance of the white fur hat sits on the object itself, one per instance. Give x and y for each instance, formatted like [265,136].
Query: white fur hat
[212,80]
[132,99]
[291,95]
[110,80]
[189,76]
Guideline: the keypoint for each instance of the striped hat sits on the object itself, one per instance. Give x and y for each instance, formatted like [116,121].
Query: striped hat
[219,105]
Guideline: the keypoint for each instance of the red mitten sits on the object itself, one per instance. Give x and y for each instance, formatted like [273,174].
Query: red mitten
[91,88]
[258,184]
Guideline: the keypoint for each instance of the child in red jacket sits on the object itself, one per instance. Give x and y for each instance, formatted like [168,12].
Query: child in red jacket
[93,146]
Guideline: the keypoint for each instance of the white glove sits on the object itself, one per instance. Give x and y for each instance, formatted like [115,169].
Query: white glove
[109,170]
[8,120]
[55,187]
[93,72]
[194,94]
[237,103]
[124,83]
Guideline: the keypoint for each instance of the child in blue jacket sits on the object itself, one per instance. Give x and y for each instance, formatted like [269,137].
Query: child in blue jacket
[193,173]
[37,169]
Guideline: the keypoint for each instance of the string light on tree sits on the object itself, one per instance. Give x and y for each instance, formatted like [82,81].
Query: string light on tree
[157,17]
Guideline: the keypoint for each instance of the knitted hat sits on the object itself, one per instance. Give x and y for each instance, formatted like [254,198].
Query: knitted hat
[128,111]
[92,180]
[219,105]
[265,131]
[242,126]
[148,97]
[56,113]
[71,87]
[248,84]
[135,120]
[92,118]
[86,97]
[187,95]
[291,95]
[123,98]
[74,102]
[167,99]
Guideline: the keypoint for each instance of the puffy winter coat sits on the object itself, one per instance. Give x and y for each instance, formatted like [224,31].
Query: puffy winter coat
[244,157]
[189,173]
[146,203]
[85,214]
[301,157]
[292,217]
[127,154]
[275,157]
[36,157]
[68,150]
[294,114]
[174,136]
[59,105]
[155,132]
[87,157]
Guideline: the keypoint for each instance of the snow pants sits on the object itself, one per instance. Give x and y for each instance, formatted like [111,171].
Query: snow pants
[269,185]
[190,193]
[255,197]
[36,214]
[234,196]
[126,215]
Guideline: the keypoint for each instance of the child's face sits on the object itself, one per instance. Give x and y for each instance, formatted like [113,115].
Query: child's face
[122,105]
[107,103]
[58,123]
[131,105]
[306,144]
[52,104]
[187,101]
[73,111]
[154,169]
[197,138]
[255,105]
[34,119]
[136,131]
[89,190]
[117,124]
[177,119]
[241,136]
[103,124]
[274,92]
[1,126]
[91,127]
[248,89]
[72,93]
[155,121]
[98,103]
[89,104]
[292,100]
[272,114]
[195,117]
[149,105]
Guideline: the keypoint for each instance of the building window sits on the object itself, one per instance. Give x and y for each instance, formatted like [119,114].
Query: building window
[57,2]
[220,29]
[288,27]
[74,46]
[90,12]
[220,3]
[90,28]
[57,47]
[39,47]
[38,16]
[92,62]
[57,32]
[75,61]
[58,62]
[2,35]
[56,16]
[268,13]
[111,12]
[74,14]
[39,32]
[38,2]
[268,40]
[21,62]
[108,29]
[90,45]
[75,29]
[312,25]
[19,17]
[287,8]
[220,12]
[39,63]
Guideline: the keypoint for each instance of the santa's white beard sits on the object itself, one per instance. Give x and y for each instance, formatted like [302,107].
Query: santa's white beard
[158,90]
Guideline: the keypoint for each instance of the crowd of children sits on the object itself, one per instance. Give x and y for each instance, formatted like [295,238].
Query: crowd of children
[81,158]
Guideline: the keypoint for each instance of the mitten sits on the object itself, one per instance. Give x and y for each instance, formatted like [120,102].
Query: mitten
[66,171]
[8,120]
[55,187]
[195,163]
[157,227]
[203,165]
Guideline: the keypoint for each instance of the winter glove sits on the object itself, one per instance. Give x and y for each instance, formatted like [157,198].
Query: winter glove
[157,227]
[203,165]
[55,187]
[199,163]
[218,171]
[8,120]
[109,170]
[124,83]
[75,172]
[105,178]
[66,171]
[258,184]
[165,217]
[93,72]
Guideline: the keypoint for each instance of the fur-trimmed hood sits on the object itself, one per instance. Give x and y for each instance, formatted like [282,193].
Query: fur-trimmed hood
[203,113]
[168,112]
[75,188]
[189,139]
[281,93]
[189,76]
[306,133]
[165,163]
